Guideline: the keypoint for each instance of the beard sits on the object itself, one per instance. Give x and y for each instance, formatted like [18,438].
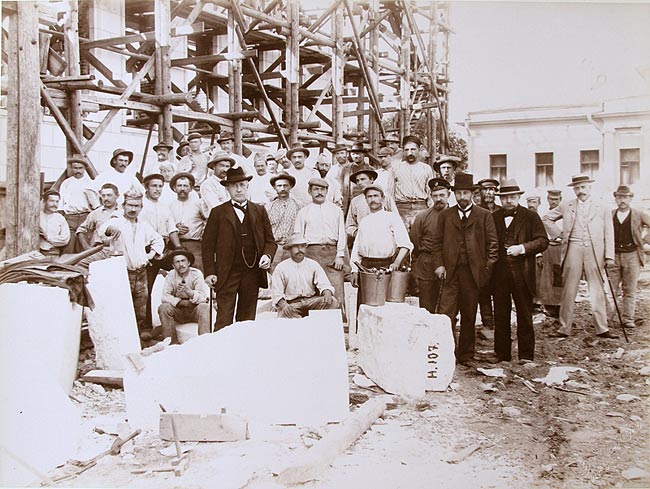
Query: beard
[463,203]
[439,205]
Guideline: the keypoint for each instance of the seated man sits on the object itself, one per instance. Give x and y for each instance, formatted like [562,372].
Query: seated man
[300,284]
[53,229]
[184,296]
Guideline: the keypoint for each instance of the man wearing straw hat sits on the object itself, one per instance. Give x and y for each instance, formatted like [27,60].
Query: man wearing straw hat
[521,236]
[382,239]
[117,174]
[587,247]
[212,192]
[421,232]
[162,150]
[465,248]
[300,284]
[628,245]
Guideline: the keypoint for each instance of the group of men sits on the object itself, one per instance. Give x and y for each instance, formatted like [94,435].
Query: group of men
[217,221]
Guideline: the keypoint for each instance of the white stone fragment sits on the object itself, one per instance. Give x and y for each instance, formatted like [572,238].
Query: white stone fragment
[557,375]
[111,323]
[269,371]
[405,349]
[492,372]
[627,398]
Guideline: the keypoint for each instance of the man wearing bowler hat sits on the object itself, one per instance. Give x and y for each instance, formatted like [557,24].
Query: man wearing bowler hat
[185,295]
[422,232]
[117,174]
[356,157]
[238,247]
[465,249]
[411,180]
[212,192]
[189,213]
[521,237]
[300,284]
[587,247]
[298,154]
[628,245]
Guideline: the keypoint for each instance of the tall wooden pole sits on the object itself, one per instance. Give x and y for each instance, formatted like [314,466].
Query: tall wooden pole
[373,14]
[405,80]
[338,63]
[292,114]
[23,127]
[73,68]
[234,77]
[433,34]
[163,84]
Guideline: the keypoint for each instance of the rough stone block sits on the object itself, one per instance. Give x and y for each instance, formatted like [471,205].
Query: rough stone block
[268,371]
[405,349]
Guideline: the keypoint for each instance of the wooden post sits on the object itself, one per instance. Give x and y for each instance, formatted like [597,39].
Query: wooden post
[73,68]
[433,34]
[23,128]
[234,78]
[292,112]
[163,84]
[405,83]
[338,63]
[373,13]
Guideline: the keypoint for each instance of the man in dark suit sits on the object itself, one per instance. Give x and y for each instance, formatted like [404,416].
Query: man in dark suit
[238,245]
[465,248]
[521,236]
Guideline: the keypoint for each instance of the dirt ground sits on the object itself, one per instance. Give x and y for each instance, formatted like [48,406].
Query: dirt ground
[576,435]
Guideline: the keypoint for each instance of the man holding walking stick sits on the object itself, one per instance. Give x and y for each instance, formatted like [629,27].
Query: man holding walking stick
[587,246]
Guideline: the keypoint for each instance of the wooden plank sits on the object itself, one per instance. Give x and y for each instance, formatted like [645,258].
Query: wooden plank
[105,377]
[103,69]
[22,205]
[73,69]
[203,427]
[44,51]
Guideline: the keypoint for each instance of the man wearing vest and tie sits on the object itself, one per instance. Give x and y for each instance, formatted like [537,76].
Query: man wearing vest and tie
[238,245]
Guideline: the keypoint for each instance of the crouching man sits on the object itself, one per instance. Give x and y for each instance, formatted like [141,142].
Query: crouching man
[300,284]
[184,296]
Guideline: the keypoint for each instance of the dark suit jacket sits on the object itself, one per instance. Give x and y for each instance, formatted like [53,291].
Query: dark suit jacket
[528,231]
[480,241]
[640,220]
[421,233]
[220,240]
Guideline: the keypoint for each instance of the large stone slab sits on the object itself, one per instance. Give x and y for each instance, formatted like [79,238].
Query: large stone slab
[405,349]
[267,371]
[111,323]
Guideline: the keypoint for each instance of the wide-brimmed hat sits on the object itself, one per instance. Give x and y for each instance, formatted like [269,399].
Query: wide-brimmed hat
[162,144]
[295,240]
[438,184]
[623,191]
[411,138]
[122,151]
[440,159]
[236,175]
[298,148]
[358,148]
[488,183]
[226,135]
[510,188]
[194,135]
[340,147]
[220,156]
[318,182]
[365,169]
[183,144]
[77,159]
[463,181]
[283,176]
[180,252]
[578,179]
[180,175]
[153,176]
[385,151]
[390,139]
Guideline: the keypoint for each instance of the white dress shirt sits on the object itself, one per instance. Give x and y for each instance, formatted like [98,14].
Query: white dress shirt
[78,195]
[322,224]
[159,216]
[123,182]
[191,213]
[298,279]
[54,231]
[133,238]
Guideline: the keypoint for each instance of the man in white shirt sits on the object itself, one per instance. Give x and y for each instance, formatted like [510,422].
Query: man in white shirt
[78,198]
[300,284]
[108,195]
[162,150]
[139,243]
[196,162]
[325,170]
[385,174]
[189,214]
[260,188]
[184,297]
[339,159]
[359,208]
[323,226]
[411,181]
[53,229]
[298,154]
[117,174]
[212,192]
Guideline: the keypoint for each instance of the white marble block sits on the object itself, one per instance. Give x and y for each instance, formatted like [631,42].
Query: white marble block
[111,323]
[405,349]
[289,371]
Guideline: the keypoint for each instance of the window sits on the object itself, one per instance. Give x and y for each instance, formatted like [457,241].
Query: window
[543,169]
[499,167]
[589,162]
[630,163]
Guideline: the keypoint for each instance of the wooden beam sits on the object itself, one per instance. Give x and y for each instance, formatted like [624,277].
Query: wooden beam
[110,103]
[162,11]
[267,10]
[213,58]
[22,205]
[103,69]
[73,69]
[234,73]
[180,31]
[321,97]
[292,112]
[338,67]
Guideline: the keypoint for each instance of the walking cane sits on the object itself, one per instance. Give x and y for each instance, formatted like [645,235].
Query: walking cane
[210,302]
[442,285]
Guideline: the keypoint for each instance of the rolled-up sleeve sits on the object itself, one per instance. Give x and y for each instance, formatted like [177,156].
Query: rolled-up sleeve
[400,233]
[200,289]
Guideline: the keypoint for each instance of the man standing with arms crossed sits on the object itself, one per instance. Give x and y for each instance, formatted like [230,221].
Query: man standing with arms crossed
[587,247]
[411,180]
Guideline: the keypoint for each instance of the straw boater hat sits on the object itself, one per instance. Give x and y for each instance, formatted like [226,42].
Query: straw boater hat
[298,148]
[180,252]
[236,175]
[283,176]
[463,181]
[436,184]
[365,169]
[623,191]
[295,240]
[220,156]
[153,176]
[77,159]
[510,188]
[162,144]
[578,179]
[440,159]
[180,175]
[121,151]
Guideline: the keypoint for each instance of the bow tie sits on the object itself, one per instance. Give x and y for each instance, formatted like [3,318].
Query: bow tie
[510,213]
[241,207]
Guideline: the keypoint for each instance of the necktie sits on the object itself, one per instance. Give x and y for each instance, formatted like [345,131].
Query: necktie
[510,213]
[464,218]
[240,207]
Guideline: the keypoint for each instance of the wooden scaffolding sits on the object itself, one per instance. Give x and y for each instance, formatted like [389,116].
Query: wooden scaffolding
[271,71]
